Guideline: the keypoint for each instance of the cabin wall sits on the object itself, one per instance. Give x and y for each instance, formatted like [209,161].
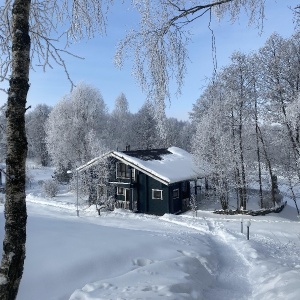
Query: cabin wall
[146,203]
[179,196]
[142,193]
[175,201]
[157,206]
[175,198]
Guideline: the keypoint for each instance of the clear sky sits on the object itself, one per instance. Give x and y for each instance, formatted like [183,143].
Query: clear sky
[98,69]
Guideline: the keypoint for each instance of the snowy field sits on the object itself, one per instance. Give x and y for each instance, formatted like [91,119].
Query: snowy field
[121,255]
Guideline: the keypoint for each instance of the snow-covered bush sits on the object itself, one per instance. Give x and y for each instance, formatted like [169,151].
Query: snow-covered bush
[51,188]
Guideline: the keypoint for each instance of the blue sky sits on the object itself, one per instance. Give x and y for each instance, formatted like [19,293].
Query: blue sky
[98,69]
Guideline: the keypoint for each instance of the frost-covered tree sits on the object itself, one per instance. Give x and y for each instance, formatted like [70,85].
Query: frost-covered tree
[279,62]
[224,108]
[279,65]
[70,124]
[17,47]
[120,124]
[90,178]
[159,44]
[212,142]
[144,129]
[36,135]
[178,133]
[237,79]
[258,97]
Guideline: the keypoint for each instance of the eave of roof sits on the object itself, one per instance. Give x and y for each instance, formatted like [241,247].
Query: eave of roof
[153,168]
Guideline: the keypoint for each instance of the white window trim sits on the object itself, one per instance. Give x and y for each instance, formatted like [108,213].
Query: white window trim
[156,190]
[133,174]
[118,187]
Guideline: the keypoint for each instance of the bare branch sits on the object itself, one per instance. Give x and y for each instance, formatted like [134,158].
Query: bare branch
[78,19]
[159,46]
[191,11]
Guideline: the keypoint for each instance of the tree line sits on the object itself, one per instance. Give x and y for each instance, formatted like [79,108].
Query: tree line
[80,127]
[248,122]
[245,123]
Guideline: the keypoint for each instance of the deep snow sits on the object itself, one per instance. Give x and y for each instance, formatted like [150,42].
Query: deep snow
[122,255]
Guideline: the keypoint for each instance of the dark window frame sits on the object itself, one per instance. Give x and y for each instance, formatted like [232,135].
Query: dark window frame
[124,171]
[176,193]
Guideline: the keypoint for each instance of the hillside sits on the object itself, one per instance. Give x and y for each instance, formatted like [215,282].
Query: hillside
[121,255]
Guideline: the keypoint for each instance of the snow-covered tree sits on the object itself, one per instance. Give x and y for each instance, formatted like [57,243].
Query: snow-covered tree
[70,124]
[144,129]
[120,124]
[258,97]
[159,44]
[90,178]
[178,133]
[212,143]
[36,135]
[280,71]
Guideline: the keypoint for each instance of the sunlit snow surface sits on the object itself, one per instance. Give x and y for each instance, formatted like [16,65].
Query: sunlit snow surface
[121,255]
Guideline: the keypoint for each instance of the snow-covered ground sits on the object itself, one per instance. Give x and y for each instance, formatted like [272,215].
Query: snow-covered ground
[122,255]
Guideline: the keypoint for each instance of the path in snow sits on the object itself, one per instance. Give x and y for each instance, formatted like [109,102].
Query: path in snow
[231,270]
[265,267]
[232,280]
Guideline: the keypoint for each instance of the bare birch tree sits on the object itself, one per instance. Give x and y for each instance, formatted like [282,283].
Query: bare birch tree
[159,45]
[29,35]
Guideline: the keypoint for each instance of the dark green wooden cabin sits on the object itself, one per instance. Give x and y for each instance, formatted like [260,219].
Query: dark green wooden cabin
[155,181]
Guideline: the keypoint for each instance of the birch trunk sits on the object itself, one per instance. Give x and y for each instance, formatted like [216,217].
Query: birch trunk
[15,207]
[261,200]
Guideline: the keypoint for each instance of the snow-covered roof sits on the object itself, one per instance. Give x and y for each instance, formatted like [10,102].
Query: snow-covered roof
[165,165]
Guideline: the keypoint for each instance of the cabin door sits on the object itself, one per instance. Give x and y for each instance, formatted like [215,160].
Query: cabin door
[129,198]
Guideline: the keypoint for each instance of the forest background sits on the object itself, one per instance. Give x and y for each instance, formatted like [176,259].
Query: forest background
[246,124]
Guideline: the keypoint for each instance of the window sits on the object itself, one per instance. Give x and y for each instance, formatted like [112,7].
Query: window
[157,194]
[124,171]
[175,193]
[120,190]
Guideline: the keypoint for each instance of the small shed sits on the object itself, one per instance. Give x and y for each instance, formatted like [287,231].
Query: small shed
[155,181]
